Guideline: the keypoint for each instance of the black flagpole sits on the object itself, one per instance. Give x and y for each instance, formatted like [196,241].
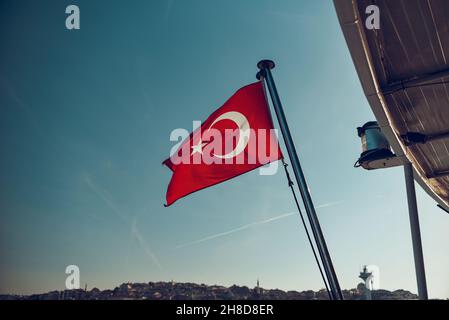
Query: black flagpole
[265,67]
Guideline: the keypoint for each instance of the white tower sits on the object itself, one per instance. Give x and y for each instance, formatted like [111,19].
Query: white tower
[371,276]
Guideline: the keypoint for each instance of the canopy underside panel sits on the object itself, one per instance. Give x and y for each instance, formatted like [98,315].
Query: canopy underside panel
[404,71]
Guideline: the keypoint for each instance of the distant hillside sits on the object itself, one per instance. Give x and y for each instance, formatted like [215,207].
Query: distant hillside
[192,291]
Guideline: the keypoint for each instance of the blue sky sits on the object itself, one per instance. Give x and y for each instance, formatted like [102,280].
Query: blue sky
[85,119]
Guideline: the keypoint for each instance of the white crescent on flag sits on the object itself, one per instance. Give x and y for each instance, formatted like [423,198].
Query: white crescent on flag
[244,134]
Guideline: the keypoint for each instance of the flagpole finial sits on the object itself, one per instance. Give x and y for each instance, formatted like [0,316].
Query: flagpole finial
[266,64]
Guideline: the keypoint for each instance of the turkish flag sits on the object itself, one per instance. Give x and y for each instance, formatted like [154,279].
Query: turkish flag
[236,138]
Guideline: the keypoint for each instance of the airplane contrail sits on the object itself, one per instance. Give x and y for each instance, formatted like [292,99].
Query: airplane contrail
[144,244]
[105,196]
[250,225]
[329,204]
[135,232]
[244,227]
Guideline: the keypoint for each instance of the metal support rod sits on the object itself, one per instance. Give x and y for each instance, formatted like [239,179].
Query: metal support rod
[423,79]
[415,231]
[265,67]
[438,174]
[411,138]
[438,136]
[442,208]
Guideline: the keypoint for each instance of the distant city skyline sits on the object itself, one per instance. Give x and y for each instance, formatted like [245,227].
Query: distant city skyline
[85,119]
[187,291]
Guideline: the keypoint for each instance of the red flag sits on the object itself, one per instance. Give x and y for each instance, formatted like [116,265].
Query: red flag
[236,138]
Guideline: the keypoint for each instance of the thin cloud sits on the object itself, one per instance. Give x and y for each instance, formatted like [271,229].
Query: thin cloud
[250,225]
[169,8]
[330,204]
[105,196]
[6,85]
[135,232]
[244,227]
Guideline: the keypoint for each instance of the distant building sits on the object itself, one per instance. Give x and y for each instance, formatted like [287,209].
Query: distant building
[373,282]
[370,275]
